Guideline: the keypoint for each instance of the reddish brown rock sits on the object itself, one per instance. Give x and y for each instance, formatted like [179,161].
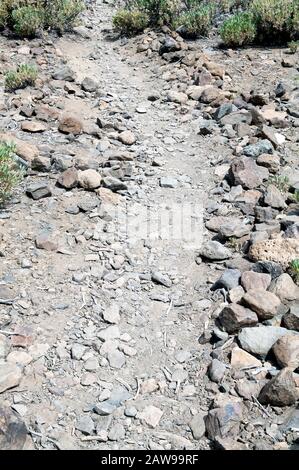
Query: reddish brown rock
[69,178]
[286,351]
[31,126]
[264,303]
[70,125]
[253,280]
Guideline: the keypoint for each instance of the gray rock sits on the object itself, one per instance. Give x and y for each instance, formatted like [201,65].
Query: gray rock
[114,184]
[162,279]
[64,73]
[223,110]
[216,370]
[224,421]
[4,346]
[89,85]
[234,317]
[259,340]
[197,426]
[291,319]
[131,411]
[116,359]
[38,191]
[229,279]
[77,351]
[85,424]
[168,182]
[104,409]
[117,432]
[214,250]
[255,150]
[13,431]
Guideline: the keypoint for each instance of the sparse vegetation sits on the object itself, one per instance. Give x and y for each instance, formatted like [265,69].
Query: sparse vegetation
[27,17]
[239,30]
[130,22]
[24,76]
[196,22]
[10,173]
[293,46]
[281,182]
[294,270]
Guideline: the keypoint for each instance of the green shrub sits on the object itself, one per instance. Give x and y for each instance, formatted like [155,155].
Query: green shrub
[238,30]
[26,17]
[10,173]
[27,21]
[159,11]
[130,22]
[194,23]
[24,76]
[276,19]
[62,15]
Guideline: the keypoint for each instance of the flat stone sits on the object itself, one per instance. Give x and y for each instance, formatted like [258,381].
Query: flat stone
[46,241]
[85,425]
[168,182]
[31,126]
[234,317]
[116,359]
[214,250]
[259,340]
[279,391]
[151,416]
[216,370]
[197,426]
[264,303]
[241,359]
[10,376]
[286,351]
[38,191]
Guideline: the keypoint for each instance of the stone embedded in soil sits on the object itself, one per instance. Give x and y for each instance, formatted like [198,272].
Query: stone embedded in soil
[10,376]
[38,191]
[281,251]
[89,85]
[13,431]
[255,150]
[253,280]
[274,198]
[216,370]
[69,178]
[240,359]
[31,126]
[177,97]
[89,179]
[117,432]
[214,250]
[197,426]
[286,351]
[85,424]
[111,313]
[224,421]
[151,416]
[259,340]
[127,138]
[280,391]
[160,278]
[114,184]
[116,359]
[264,303]
[46,241]
[234,317]
[69,124]
[64,73]
[247,173]
[291,319]
[229,279]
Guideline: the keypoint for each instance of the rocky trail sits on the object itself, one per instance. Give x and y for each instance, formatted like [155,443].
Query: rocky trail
[113,245]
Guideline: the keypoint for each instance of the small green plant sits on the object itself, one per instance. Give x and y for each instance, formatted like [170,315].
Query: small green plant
[281,182]
[27,21]
[294,270]
[234,244]
[24,76]
[196,22]
[10,173]
[130,22]
[238,30]
[293,46]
